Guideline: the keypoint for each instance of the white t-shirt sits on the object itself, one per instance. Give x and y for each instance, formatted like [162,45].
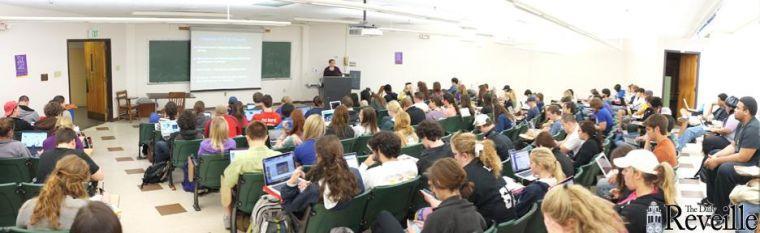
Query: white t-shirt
[573,141]
[731,123]
[389,173]
[422,106]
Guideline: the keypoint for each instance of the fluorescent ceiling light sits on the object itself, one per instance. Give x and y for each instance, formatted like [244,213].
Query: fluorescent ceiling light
[179,14]
[326,20]
[143,20]
[374,8]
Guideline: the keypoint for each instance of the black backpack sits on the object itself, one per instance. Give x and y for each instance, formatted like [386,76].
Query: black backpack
[156,173]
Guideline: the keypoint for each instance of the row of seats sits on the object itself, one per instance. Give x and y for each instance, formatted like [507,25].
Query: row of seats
[12,196]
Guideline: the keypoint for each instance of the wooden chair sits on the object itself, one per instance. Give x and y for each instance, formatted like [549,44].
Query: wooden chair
[126,109]
[178,98]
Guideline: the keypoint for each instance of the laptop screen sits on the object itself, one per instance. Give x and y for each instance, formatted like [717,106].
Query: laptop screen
[234,154]
[327,115]
[168,127]
[278,168]
[33,138]
[351,160]
[334,104]
[604,164]
[250,112]
[520,160]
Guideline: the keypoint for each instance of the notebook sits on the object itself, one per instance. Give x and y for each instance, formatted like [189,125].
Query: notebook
[604,164]
[277,171]
[521,164]
[33,140]
[234,154]
[352,160]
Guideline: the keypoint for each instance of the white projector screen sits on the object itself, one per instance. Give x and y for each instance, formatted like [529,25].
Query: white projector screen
[223,60]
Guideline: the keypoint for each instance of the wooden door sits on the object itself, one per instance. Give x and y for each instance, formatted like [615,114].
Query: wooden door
[687,80]
[96,82]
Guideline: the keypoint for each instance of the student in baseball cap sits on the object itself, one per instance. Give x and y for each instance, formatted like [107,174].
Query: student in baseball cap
[650,182]
[12,111]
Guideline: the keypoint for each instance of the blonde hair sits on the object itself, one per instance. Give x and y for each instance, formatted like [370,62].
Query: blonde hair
[67,179]
[544,158]
[403,127]
[314,127]
[665,180]
[220,110]
[574,206]
[393,106]
[467,143]
[219,132]
[64,122]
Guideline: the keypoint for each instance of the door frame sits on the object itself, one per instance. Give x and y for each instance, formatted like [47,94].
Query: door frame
[665,63]
[109,80]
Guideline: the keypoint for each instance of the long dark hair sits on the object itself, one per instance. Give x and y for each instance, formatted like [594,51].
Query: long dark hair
[422,86]
[339,122]
[589,128]
[450,98]
[333,170]
[298,121]
[238,112]
[369,119]
[499,109]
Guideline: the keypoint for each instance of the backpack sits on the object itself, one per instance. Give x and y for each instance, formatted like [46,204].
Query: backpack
[269,217]
[156,173]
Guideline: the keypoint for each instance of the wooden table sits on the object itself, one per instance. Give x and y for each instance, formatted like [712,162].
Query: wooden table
[165,95]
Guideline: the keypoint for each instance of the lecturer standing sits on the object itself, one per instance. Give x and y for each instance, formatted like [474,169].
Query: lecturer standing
[332,70]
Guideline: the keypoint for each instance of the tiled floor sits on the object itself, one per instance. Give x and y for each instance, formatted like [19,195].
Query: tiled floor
[157,206]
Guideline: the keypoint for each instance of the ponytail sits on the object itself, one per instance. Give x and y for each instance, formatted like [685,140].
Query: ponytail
[467,189]
[666,182]
[557,171]
[544,158]
[489,157]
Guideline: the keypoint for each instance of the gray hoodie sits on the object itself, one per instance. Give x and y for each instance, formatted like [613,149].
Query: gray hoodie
[28,114]
[13,149]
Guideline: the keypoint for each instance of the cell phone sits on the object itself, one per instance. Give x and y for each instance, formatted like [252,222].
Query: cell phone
[427,191]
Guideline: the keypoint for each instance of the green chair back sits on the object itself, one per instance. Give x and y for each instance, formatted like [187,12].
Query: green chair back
[467,123]
[560,136]
[607,146]
[33,164]
[286,149]
[22,230]
[348,144]
[360,145]
[413,150]
[380,115]
[536,224]
[10,202]
[518,225]
[588,178]
[29,190]
[14,170]
[210,169]
[248,191]
[323,220]
[451,124]
[146,133]
[240,142]
[182,149]
[447,138]
[491,229]
[395,199]
[512,133]
[506,169]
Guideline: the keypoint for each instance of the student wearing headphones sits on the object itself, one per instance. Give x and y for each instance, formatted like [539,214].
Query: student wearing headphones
[650,182]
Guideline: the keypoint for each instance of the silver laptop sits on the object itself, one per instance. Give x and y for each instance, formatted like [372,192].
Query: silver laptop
[604,164]
[277,170]
[249,113]
[352,160]
[33,140]
[521,164]
[327,115]
[168,127]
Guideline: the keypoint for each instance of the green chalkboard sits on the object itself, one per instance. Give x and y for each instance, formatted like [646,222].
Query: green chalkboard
[169,61]
[275,60]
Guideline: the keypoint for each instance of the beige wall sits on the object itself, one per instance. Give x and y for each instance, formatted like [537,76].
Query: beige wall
[77,74]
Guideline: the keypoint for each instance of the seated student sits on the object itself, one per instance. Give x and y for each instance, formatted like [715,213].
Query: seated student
[404,130]
[291,136]
[503,144]
[353,116]
[96,217]
[256,134]
[571,108]
[65,139]
[25,112]
[377,102]
[187,131]
[367,122]
[10,148]
[613,187]
[604,121]
[540,101]
[12,112]
[509,98]
[419,102]
[545,140]
[231,105]
[451,211]
[389,94]
[450,105]
[385,148]
[339,125]
[286,112]
[268,116]
[483,168]
[422,87]
[407,92]
[416,115]
[318,107]
[170,111]
[746,196]
[720,175]
[60,198]
[257,100]
[388,121]
[533,110]
[504,119]
[488,104]
[221,111]
[572,142]
[430,133]
[716,137]
[592,144]
[436,112]
[437,91]
[285,100]
[329,181]
[656,128]
[238,112]
[63,122]
[200,115]
[52,112]
[548,172]
[313,129]
[649,181]
[62,102]
[218,141]
[554,123]
[572,208]
[466,104]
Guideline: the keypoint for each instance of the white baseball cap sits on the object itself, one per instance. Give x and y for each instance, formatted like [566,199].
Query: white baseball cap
[641,160]
[480,120]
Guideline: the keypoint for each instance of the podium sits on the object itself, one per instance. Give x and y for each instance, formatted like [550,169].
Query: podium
[334,88]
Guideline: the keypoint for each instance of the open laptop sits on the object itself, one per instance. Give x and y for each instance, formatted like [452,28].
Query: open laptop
[604,164]
[277,171]
[168,127]
[250,112]
[327,115]
[274,134]
[521,164]
[234,154]
[33,140]
[334,104]
[352,160]
[687,107]
[630,140]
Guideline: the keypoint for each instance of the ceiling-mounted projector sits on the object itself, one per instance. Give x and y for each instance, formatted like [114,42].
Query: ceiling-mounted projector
[364,29]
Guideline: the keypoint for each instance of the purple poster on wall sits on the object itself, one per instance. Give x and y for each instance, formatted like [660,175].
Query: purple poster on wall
[21,68]
[399,58]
